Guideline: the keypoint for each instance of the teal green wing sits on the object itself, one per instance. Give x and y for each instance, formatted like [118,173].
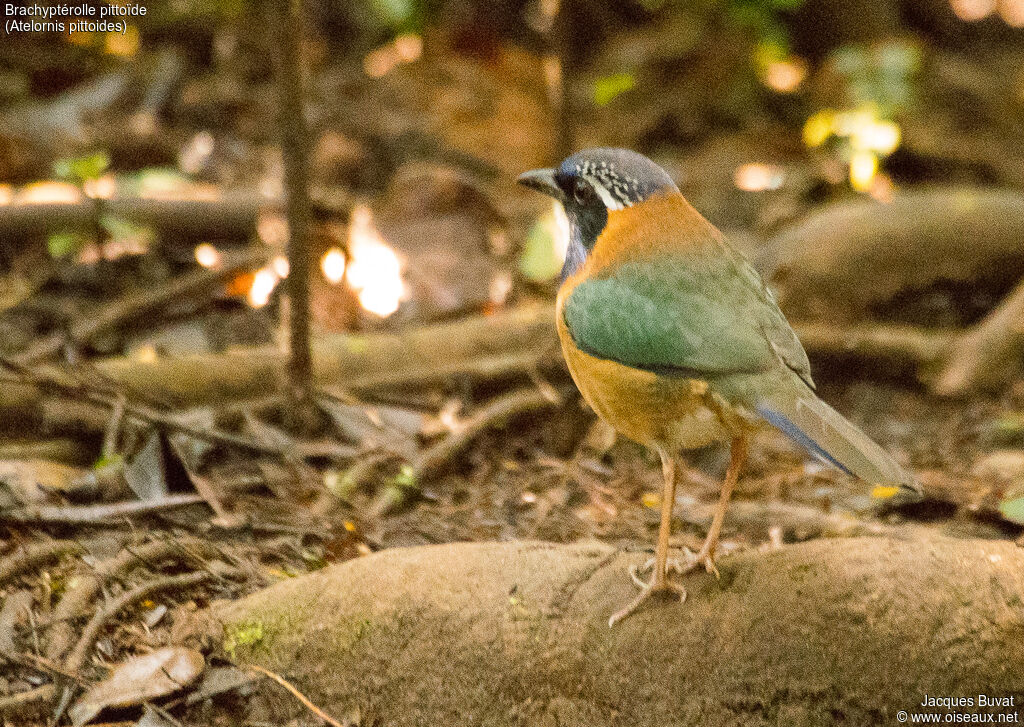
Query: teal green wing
[711,316]
[708,314]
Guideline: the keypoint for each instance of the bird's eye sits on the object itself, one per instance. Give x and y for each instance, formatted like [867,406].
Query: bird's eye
[582,192]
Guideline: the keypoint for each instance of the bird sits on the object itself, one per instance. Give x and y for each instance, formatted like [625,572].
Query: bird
[673,338]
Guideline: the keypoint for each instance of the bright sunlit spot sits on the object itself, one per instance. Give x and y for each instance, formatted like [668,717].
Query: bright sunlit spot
[973,10]
[146,353]
[48,193]
[263,284]
[784,76]
[280,266]
[332,265]
[1012,12]
[196,153]
[207,255]
[758,177]
[878,136]
[374,269]
[102,188]
[863,166]
[869,138]
[272,229]
[405,48]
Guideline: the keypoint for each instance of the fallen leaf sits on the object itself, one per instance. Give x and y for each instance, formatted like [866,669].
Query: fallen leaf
[140,679]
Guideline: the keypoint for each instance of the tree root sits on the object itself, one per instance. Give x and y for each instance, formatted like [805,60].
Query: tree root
[860,627]
[989,354]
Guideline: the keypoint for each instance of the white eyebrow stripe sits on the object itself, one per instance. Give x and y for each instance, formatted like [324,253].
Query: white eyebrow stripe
[609,200]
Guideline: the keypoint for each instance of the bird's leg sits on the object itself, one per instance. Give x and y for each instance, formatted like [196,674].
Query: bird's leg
[707,552]
[659,580]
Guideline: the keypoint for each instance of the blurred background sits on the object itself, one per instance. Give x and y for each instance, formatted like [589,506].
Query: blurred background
[866,155]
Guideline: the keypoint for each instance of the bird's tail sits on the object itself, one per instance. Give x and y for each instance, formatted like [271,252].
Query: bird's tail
[825,433]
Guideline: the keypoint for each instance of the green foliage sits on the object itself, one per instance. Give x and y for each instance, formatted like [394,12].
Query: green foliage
[763,18]
[395,13]
[882,75]
[606,89]
[64,244]
[1012,506]
[120,229]
[82,169]
[406,477]
[108,460]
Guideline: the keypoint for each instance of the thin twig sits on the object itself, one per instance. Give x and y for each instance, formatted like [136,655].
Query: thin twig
[76,659]
[298,695]
[32,556]
[204,487]
[96,514]
[84,586]
[113,433]
[493,413]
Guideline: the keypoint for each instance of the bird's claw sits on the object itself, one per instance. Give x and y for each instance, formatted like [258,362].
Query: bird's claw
[705,559]
[709,566]
[649,591]
[672,566]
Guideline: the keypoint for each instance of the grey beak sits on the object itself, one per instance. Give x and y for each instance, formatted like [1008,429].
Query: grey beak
[542,180]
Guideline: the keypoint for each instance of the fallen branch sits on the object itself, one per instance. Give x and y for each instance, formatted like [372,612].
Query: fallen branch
[508,344]
[483,347]
[883,342]
[230,217]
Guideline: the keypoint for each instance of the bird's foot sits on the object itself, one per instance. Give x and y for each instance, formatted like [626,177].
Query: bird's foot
[672,566]
[650,590]
[706,558]
[693,560]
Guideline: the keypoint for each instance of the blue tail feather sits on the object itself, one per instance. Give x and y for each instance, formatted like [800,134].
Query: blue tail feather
[791,430]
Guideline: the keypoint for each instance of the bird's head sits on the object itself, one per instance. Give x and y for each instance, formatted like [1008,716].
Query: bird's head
[590,184]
